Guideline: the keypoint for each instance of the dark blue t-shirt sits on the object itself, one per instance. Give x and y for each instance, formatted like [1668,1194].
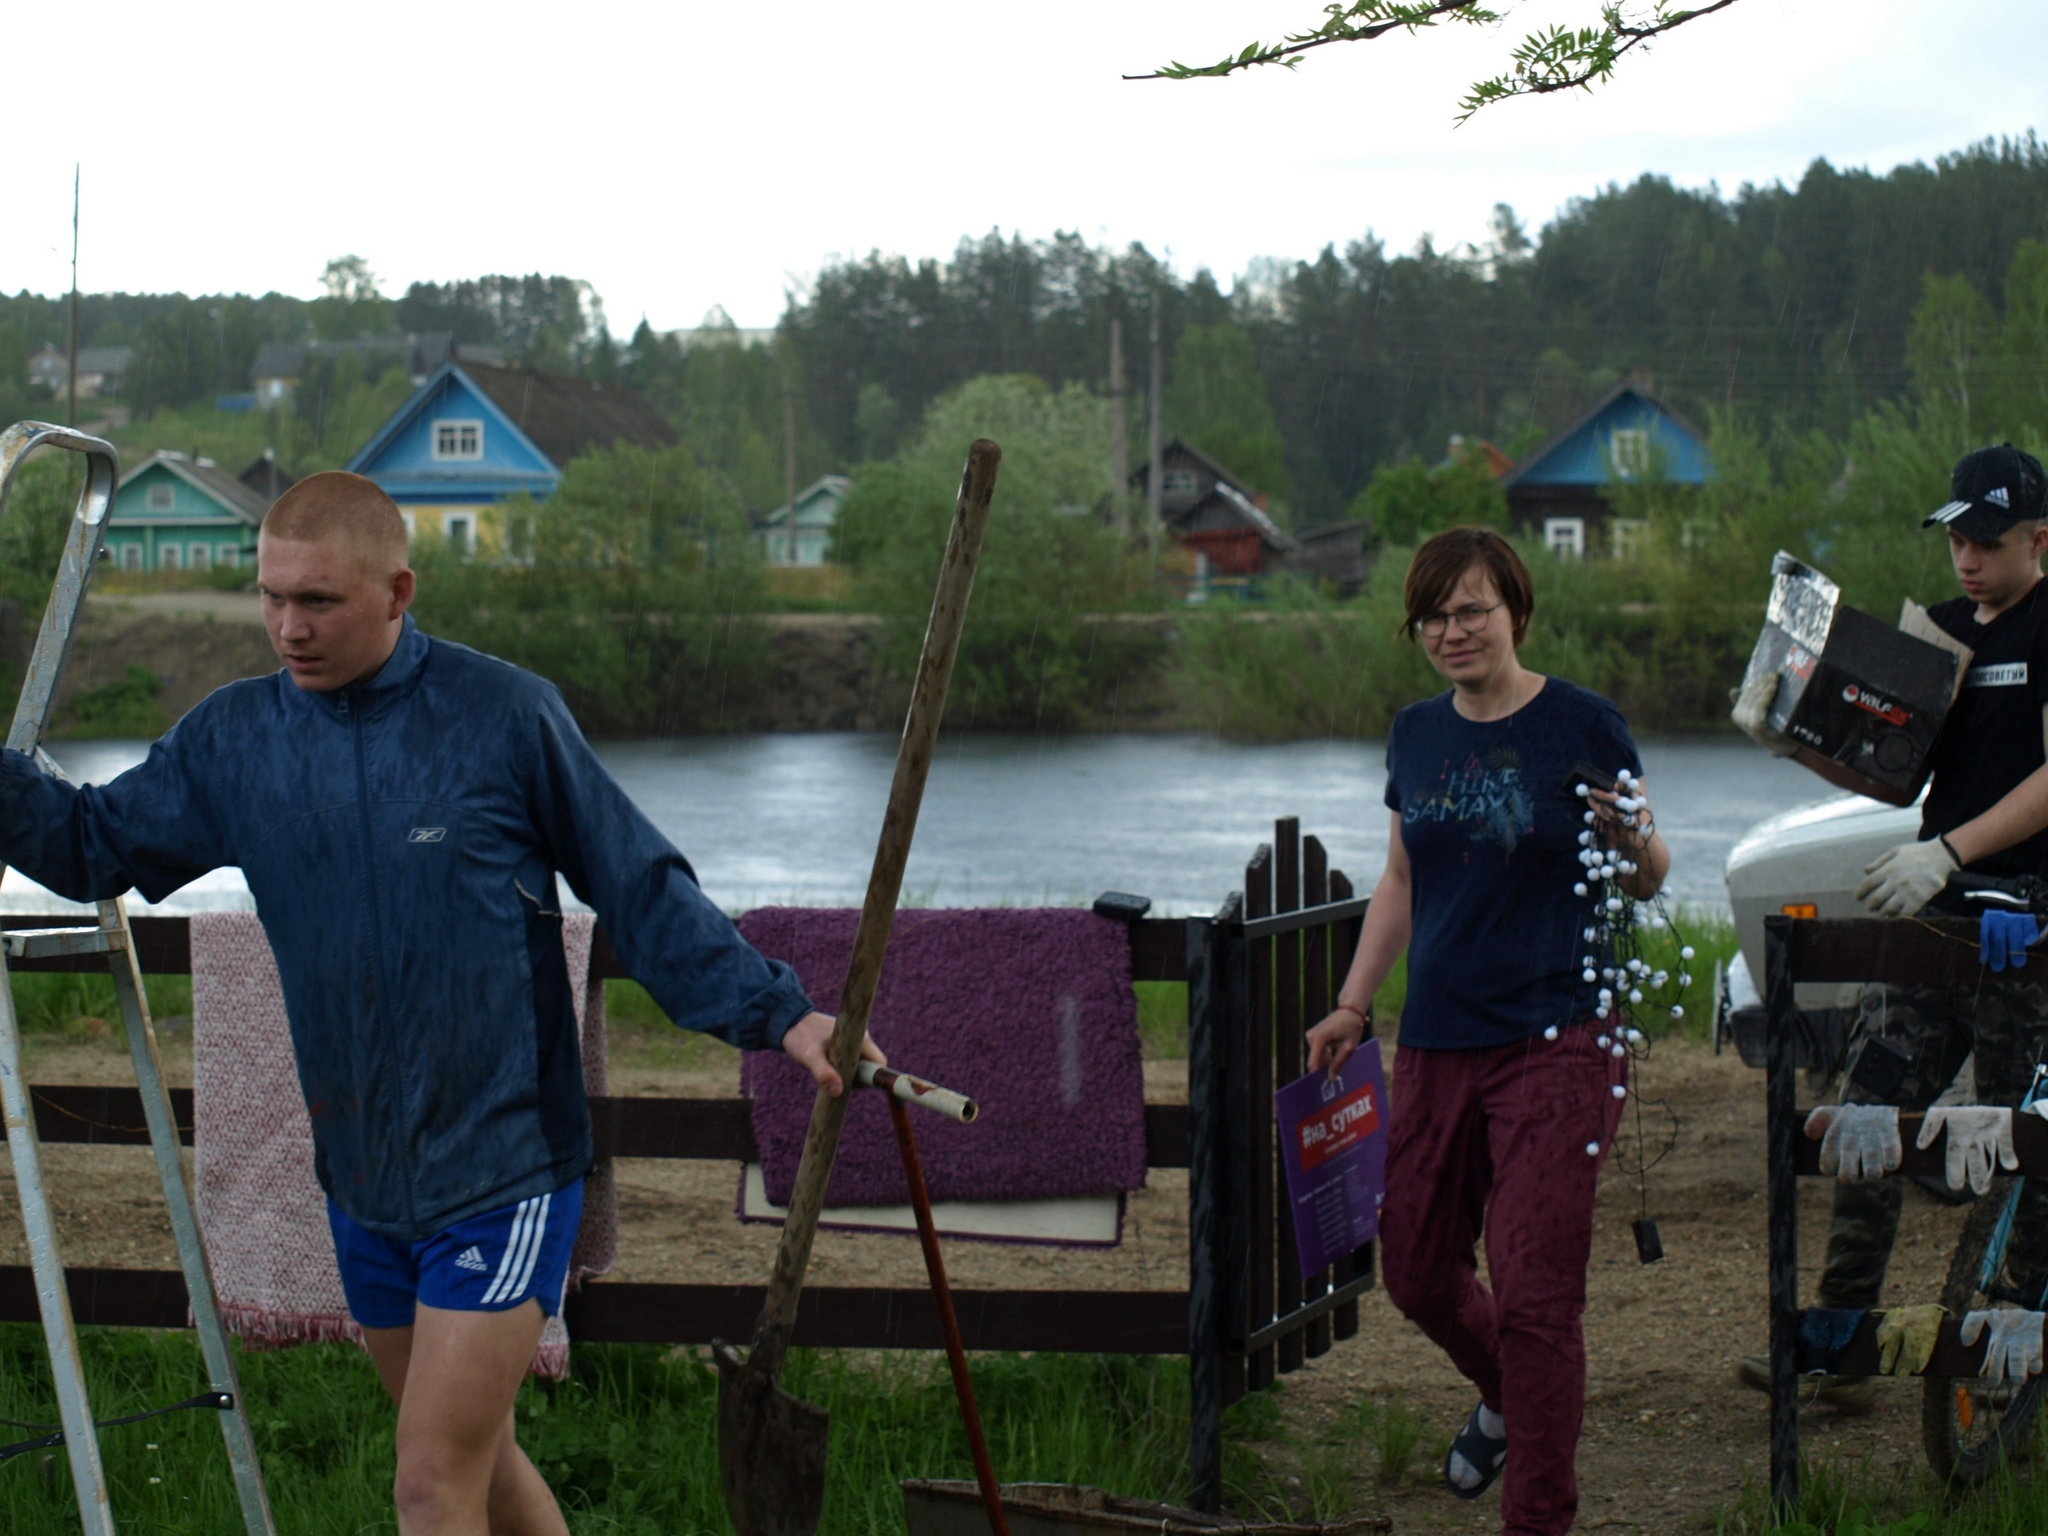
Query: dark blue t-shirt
[1492,833]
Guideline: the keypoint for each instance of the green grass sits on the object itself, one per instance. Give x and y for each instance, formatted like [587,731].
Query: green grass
[125,708]
[628,1442]
[82,1004]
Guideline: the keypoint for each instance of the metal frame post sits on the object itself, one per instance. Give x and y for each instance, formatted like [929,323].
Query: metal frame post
[1205,1223]
[1781,1122]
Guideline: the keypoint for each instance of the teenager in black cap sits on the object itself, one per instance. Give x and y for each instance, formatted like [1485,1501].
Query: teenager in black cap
[1986,811]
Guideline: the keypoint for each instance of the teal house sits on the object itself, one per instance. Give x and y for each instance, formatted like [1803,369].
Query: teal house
[803,540]
[1629,436]
[173,512]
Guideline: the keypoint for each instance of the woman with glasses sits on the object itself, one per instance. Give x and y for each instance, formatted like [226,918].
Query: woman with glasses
[1504,1097]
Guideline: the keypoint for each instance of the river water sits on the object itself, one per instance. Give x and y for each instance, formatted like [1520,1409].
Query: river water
[1028,820]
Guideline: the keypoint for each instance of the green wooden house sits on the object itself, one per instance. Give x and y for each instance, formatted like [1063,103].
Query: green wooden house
[177,513]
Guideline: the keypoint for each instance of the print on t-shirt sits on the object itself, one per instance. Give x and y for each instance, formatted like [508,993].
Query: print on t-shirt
[1488,799]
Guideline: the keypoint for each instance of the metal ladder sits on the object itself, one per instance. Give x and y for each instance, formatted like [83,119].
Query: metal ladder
[113,939]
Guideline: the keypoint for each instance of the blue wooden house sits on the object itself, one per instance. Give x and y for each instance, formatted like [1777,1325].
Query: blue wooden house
[1629,436]
[805,540]
[473,436]
[173,512]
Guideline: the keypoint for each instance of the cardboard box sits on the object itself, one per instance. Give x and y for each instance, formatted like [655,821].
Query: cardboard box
[1861,701]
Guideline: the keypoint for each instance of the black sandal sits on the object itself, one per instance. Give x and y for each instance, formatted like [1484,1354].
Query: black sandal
[1482,1453]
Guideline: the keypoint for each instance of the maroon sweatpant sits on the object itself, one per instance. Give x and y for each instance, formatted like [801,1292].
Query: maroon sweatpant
[1495,1141]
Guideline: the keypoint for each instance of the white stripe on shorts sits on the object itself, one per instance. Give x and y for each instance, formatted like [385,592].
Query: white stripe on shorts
[515,1242]
[540,1231]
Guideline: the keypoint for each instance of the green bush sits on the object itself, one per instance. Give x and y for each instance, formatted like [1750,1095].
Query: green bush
[1030,657]
[124,708]
[633,589]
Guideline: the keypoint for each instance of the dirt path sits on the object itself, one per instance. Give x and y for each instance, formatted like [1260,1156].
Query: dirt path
[1669,1436]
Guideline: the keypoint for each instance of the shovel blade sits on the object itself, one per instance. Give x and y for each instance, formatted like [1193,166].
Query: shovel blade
[771,1451]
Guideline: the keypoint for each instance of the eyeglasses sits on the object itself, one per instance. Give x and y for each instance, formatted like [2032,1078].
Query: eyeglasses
[1470,619]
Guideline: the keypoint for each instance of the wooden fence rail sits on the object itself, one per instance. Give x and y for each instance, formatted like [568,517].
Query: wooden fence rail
[1245,1304]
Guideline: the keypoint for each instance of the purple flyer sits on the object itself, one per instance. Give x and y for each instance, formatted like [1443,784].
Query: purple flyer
[1333,1134]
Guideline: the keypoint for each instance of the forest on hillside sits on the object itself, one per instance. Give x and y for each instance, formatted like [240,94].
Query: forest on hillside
[1786,307]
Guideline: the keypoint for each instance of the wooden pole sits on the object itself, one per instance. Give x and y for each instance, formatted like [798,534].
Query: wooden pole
[1119,448]
[1158,426]
[71,369]
[789,457]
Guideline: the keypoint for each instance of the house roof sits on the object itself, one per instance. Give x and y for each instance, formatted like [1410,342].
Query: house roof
[266,477]
[1270,533]
[564,417]
[1180,447]
[1574,455]
[835,487]
[210,480]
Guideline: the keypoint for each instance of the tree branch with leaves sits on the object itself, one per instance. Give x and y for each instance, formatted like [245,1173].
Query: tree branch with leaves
[1556,58]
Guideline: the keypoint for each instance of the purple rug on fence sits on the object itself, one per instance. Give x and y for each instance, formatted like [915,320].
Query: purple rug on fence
[1027,1011]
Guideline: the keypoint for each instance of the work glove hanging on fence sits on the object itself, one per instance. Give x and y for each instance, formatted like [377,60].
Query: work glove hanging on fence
[2014,1352]
[2003,937]
[1752,704]
[1976,1133]
[1902,880]
[1859,1143]
[1905,1338]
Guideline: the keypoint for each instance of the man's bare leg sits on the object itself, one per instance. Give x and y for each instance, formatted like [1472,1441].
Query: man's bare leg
[453,1376]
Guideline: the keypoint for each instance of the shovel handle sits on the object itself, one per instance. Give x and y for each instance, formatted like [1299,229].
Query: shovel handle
[885,883]
[915,1090]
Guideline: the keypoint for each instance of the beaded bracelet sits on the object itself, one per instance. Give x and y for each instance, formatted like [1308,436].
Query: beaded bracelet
[1364,1018]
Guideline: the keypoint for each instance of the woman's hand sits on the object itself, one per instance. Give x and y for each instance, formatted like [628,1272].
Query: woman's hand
[1331,1042]
[1633,834]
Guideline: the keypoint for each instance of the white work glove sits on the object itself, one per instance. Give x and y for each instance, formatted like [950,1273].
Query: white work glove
[1752,705]
[1975,1133]
[1904,879]
[2014,1352]
[1862,1140]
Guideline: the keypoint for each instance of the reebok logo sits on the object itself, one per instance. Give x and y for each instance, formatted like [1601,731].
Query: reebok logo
[426,834]
[1997,497]
[473,1258]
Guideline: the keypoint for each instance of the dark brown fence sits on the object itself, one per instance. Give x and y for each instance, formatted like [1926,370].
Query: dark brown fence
[1255,971]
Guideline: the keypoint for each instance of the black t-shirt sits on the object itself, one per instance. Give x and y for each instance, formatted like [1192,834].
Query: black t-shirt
[1492,833]
[1992,739]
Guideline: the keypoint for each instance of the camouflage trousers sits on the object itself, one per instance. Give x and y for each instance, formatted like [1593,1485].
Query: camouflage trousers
[2006,1026]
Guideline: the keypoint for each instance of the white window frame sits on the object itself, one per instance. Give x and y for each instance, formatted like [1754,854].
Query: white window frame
[464,544]
[1565,537]
[1629,448]
[199,557]
[228,557]
[411,529]
[458,439]
[169,557]
[161,496]
[1628,537]
[131,557]
[1180,482]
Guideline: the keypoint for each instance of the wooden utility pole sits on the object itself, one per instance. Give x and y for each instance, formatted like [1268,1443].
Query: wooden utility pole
[1155,470]
[789,459]
[71,367]
[1119,448]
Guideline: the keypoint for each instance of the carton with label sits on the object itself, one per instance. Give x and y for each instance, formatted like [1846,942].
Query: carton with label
[1859,702]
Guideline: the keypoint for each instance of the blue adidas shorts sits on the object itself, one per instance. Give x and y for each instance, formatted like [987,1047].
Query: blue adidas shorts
[489,1263]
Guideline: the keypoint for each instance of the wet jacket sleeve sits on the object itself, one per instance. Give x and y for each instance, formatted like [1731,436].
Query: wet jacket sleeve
[666,931]
[152,829]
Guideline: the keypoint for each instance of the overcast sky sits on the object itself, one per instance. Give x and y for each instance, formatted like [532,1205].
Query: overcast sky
[680,156]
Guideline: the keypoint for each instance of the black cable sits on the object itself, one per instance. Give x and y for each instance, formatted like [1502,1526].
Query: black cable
[220,1401]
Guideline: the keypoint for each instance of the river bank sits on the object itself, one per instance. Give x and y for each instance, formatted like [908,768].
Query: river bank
[1177,672]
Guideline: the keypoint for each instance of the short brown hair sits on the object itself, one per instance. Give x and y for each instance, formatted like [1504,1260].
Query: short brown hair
[1440,564]
[338,505]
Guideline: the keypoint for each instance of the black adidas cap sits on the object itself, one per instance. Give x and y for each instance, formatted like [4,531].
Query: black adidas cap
[1992,488]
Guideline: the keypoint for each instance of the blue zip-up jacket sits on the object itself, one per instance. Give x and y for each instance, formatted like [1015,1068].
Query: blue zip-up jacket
[402,839]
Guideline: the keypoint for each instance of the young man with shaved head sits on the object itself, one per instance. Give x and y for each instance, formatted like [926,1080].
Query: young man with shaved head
[401,807]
